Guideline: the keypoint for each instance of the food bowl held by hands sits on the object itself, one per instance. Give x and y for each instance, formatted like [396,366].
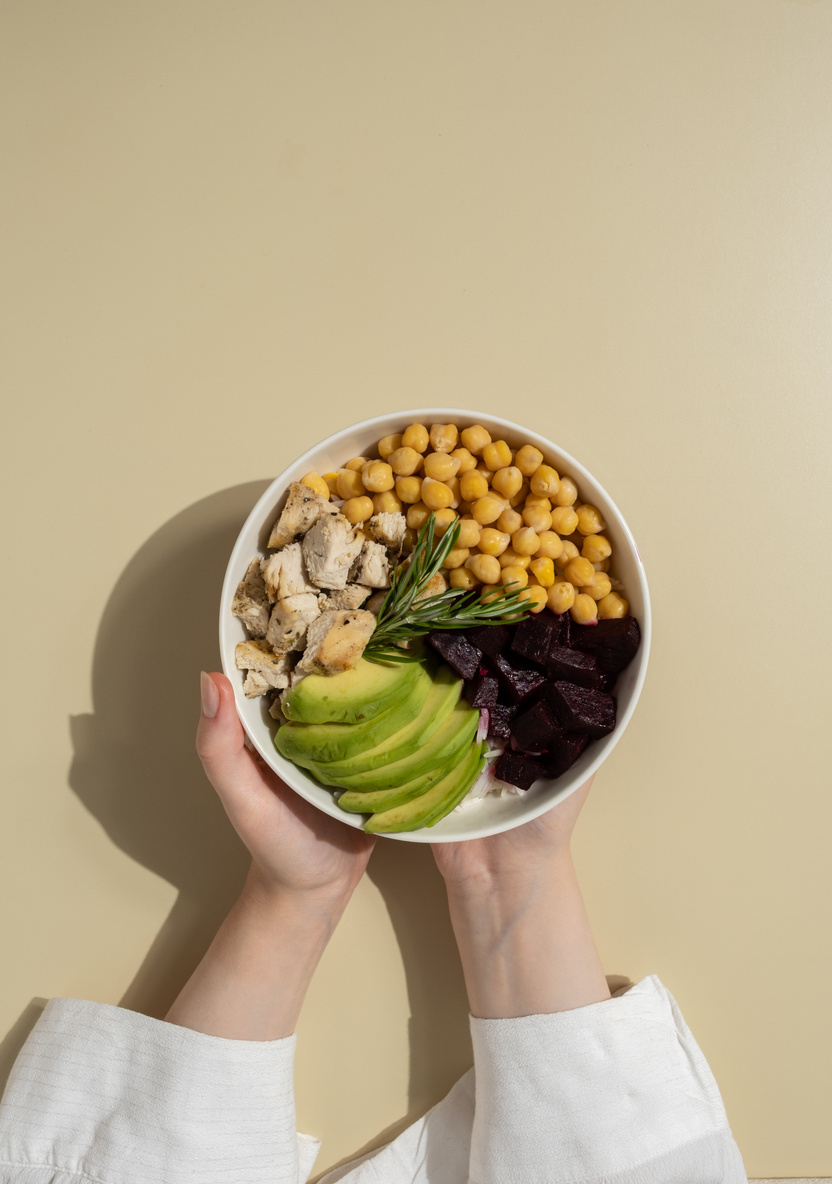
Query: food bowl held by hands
[493,813]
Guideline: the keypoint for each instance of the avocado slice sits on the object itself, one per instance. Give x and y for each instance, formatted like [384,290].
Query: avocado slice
[309,744]
[352,696]
[396,795]
[430,807]
[356,771]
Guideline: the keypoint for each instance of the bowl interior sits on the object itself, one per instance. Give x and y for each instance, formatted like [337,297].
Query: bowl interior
[492,814]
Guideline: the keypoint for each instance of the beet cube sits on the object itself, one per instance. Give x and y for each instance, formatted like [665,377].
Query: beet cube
[518,769]
[519,683]
[535,728]
[570,665]
[562,629]
[533,636]
[463,657]
[612,643]
[481,691]
[563,753]
[499,721]
[581,709]
[490,639]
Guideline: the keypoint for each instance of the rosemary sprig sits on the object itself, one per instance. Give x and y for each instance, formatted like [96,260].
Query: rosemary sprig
[407,613]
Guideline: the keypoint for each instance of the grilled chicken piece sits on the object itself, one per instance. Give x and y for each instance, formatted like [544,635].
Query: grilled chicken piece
[351,597]
[435,586]
[388,529]
[290,619]
[303,509]
[336,641]
[276,710]
[293,578]
[375,602]
[251,602]
[270,569]
[372,568]
[330,549]
[261,664]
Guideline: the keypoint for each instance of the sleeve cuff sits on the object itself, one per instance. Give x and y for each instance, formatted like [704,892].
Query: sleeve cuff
[116,1095]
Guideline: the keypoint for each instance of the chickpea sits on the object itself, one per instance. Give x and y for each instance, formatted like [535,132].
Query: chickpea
[569,552]
[537,518]
[464,508]
[508,481]
[561,596]
[443,519]
[443,436]
[590,520]
[596,548]
[604,565]
[525,541]
[519,498]
[435,494]
[473,485]
[510,558]
[601,588]
[377,476]
[417,515]
[440,466]
[357,463]
[332,483]
[387,503]
[405,461]
[564,519]
[515,576]
[536,598]
[490,594]
[485,567]
[409,541]
[416,437]
[509,521]
[583,610]
[475,438]
[544,481]
[349,484]
[567,493]
[497,455]
[461,577]
[551,545]
[456,558]
[580,572]
[612,605]
[466,460]
[409,489]
[453,484]
[493,542]
[528,459]
[486,509]
[316,483]
[357,509]
[388,444]
[469,532]
[544,571]
[486,472]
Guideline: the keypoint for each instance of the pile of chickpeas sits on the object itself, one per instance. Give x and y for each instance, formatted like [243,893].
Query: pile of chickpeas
[522,525]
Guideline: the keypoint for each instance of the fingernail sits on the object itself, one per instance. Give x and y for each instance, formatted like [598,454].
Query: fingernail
[209,694]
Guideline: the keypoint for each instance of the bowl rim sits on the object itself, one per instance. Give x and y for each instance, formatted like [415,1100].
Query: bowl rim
[296,777]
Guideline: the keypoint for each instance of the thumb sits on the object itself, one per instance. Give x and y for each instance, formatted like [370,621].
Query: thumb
[220,740]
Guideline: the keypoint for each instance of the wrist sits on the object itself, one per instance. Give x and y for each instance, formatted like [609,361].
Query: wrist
[268,898]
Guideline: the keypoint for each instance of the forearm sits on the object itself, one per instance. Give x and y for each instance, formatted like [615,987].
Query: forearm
[526,944]
[252,981]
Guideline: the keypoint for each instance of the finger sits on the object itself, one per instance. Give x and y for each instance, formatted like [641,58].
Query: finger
[220,740]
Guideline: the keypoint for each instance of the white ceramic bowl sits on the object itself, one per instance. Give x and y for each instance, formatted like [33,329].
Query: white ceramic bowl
[492,814]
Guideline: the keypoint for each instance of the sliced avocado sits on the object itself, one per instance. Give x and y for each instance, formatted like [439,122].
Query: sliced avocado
[309,744]
[352,696]
[397,795]
[441,701]
[428,808]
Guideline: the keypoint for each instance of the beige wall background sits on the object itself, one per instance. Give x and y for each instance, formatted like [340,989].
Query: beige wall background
[231,229]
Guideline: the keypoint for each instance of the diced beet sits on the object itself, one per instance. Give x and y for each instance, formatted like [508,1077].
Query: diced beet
[518,769]
[535,728]
[563,629]
[580,709]
[518,683]
[575,666]
[563,753]
[457,651]
[481,691]
[533,636]
[491,639]
[499,720]
[612,643]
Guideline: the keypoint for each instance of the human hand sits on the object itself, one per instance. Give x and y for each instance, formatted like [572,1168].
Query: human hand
[295,847]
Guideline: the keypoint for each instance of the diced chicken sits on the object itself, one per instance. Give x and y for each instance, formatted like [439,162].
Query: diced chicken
[435,586]
[303,509]
[258,658]
[388,529]
[290,619]
[336,641]
[330,549]
[351,597]
[254,685]
[372,568]
[375,602]
[293,579]
[270,569]
[276,710]
[251,602]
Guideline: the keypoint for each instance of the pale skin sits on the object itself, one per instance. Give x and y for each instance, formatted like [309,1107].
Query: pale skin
[518,916]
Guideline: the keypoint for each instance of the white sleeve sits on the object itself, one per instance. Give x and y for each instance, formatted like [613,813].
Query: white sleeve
[101,1093]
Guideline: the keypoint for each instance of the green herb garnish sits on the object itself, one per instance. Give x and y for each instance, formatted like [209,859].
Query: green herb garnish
[407,613]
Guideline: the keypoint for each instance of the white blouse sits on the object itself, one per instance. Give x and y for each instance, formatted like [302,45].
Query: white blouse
[614,1093]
